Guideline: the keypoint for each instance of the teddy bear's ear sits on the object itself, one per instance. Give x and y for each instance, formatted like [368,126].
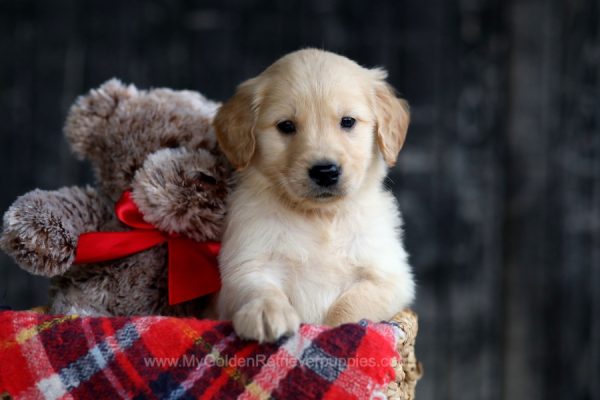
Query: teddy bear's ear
[89,117]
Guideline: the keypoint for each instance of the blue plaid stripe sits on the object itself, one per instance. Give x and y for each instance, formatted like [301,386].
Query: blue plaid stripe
[97,358]
[322,363]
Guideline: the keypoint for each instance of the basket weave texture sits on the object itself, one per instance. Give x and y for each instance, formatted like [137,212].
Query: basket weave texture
[409,370]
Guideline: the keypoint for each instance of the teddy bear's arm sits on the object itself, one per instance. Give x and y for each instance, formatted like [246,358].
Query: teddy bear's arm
[41,228]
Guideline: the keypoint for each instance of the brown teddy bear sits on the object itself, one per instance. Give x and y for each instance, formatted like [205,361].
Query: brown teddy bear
[153,153]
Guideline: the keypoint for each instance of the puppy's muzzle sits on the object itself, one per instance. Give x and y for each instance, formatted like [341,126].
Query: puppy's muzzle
[325,174]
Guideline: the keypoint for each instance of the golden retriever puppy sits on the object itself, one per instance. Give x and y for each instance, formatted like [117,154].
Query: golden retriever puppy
[311,233]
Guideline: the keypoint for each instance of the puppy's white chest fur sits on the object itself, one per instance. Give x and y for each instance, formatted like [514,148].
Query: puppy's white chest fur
[315,263]
[313,258]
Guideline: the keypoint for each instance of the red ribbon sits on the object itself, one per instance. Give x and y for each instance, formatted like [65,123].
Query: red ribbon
[193,267]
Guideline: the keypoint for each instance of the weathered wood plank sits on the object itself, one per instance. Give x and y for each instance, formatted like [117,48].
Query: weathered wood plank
[552,228]
[575,155]
[527,242]
[469,198]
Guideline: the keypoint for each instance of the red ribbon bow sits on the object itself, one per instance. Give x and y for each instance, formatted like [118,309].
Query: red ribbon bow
[193,268]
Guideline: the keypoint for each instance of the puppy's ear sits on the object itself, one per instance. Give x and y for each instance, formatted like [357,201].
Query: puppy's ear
[235,123]
[392,118]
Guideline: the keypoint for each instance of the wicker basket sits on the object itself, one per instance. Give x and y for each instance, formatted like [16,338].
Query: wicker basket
[409,371]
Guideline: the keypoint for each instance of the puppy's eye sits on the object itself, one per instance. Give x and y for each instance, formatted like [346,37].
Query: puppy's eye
[286,127]
[347,122]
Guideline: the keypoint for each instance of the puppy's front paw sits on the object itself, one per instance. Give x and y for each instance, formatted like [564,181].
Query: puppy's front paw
[266,320]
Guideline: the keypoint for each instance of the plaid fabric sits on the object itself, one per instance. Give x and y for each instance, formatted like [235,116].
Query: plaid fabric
[61,357]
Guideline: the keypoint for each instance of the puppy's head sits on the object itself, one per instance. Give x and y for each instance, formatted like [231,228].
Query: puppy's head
[316,124]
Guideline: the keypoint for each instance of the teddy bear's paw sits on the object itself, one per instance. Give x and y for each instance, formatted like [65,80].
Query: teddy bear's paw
[266,320]
[37,238]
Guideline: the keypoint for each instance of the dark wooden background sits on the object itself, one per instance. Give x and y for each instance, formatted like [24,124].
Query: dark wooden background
[499,181]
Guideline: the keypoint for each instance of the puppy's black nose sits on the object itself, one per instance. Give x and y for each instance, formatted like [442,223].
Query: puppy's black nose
[325,174]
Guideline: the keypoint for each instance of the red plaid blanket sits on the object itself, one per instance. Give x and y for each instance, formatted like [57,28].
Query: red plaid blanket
[60,357]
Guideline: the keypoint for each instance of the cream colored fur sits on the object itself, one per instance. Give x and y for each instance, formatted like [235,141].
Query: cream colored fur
[289,256]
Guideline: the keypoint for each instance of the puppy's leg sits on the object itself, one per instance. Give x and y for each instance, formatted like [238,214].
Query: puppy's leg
[260,310]
[375,300]
[266,318]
